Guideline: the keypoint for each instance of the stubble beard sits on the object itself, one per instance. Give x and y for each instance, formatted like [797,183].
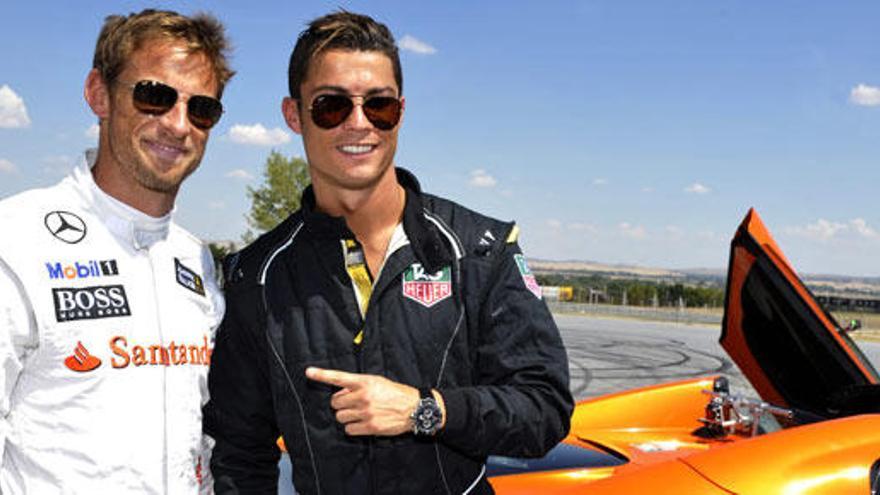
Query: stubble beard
[135,164]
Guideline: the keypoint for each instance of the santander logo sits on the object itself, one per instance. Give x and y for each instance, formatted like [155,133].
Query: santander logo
[125,354]
[81,361]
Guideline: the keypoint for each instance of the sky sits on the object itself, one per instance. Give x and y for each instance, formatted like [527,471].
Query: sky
[625,132]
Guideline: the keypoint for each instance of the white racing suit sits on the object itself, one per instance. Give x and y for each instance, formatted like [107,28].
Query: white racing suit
[107,321]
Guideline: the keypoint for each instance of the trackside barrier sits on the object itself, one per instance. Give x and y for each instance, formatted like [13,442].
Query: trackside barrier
[683,315]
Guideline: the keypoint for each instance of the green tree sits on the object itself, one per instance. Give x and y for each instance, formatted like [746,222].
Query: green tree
[218,252]
[284,180]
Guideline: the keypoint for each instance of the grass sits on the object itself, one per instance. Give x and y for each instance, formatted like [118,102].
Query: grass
[870,324]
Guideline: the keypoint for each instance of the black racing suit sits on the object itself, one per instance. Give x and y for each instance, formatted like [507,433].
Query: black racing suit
[455,309]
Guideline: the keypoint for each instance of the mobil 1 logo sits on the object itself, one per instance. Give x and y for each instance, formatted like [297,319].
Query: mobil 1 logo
[89,303]
[88,269]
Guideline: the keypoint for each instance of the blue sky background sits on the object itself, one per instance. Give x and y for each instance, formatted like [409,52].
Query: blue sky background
[622,132]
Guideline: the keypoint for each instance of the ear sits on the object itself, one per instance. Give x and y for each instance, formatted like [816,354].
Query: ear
[97,94]
[290,110]
[402,112]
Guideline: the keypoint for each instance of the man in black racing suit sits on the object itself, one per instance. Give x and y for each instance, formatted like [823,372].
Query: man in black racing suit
[395,339]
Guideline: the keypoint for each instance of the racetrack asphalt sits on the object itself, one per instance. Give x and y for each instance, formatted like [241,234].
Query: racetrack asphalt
[612,354]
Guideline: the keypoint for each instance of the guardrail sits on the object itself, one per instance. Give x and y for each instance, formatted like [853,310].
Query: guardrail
[684,315]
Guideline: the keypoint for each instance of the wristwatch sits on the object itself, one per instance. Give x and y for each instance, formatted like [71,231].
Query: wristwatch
[427,416]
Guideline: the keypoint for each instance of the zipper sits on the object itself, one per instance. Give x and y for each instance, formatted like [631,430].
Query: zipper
[362,285]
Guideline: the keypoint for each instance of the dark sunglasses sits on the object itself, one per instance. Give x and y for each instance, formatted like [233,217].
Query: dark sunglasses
[155,98]
[330,110]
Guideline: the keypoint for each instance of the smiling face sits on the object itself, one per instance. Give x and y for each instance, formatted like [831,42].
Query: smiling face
[354,155]
[141,153]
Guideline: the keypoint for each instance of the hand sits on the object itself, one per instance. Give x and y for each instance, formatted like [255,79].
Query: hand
[369,404]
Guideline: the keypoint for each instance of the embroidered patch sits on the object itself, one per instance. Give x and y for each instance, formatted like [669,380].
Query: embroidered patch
[425,288]
[527,276]
[89,303]
[188,278]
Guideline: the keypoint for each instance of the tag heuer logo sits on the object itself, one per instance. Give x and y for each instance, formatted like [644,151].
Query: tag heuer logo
[425,288]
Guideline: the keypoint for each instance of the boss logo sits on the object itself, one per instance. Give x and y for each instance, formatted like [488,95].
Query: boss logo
[88,303]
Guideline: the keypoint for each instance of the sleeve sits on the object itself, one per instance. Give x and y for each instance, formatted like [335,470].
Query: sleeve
[18,336]
[522,404]
[239,416]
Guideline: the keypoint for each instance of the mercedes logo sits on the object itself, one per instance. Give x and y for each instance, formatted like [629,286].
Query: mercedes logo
[65,226]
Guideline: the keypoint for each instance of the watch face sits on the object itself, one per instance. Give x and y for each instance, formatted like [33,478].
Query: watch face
[427,417]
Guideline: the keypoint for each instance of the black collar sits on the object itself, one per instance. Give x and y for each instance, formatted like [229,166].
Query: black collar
[428,244]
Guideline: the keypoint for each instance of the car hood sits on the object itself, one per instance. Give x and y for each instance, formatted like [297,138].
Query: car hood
[791,350]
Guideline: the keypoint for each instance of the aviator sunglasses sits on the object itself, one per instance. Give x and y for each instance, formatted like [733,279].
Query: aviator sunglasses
[155,98]
[330,110]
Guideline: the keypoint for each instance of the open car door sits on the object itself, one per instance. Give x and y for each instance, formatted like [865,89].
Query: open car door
[790,349]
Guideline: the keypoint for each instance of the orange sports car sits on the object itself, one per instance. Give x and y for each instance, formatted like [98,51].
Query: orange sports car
[814,430]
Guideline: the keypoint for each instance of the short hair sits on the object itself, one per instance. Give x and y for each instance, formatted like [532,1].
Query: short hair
[340,30]
[121,36]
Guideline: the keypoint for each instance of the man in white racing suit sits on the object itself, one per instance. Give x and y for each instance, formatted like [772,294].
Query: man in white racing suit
[107,307]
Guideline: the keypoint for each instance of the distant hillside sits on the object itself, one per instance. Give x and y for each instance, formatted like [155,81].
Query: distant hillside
[818,283]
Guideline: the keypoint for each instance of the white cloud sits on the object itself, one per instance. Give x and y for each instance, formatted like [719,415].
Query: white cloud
[823,229]
[697,188]
[481,178]
[13,112]
[647,189]
[865,95]
[583,227]
[258,135]
[93,131]
[826,230]
[600,182]
[415,45]
[240,174]
[860,226]
[216,205]
[571,227]
[7,167]
[632,231]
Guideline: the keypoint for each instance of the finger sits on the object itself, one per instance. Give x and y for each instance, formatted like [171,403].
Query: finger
[358,428]
[341,392]
[346,416]
[333,377]
[345,399]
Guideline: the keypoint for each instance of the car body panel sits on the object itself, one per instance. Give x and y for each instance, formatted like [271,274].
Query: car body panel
[829,457]
[669,478]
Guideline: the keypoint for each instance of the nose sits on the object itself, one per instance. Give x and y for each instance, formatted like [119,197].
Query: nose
[357,119]
[175,120]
